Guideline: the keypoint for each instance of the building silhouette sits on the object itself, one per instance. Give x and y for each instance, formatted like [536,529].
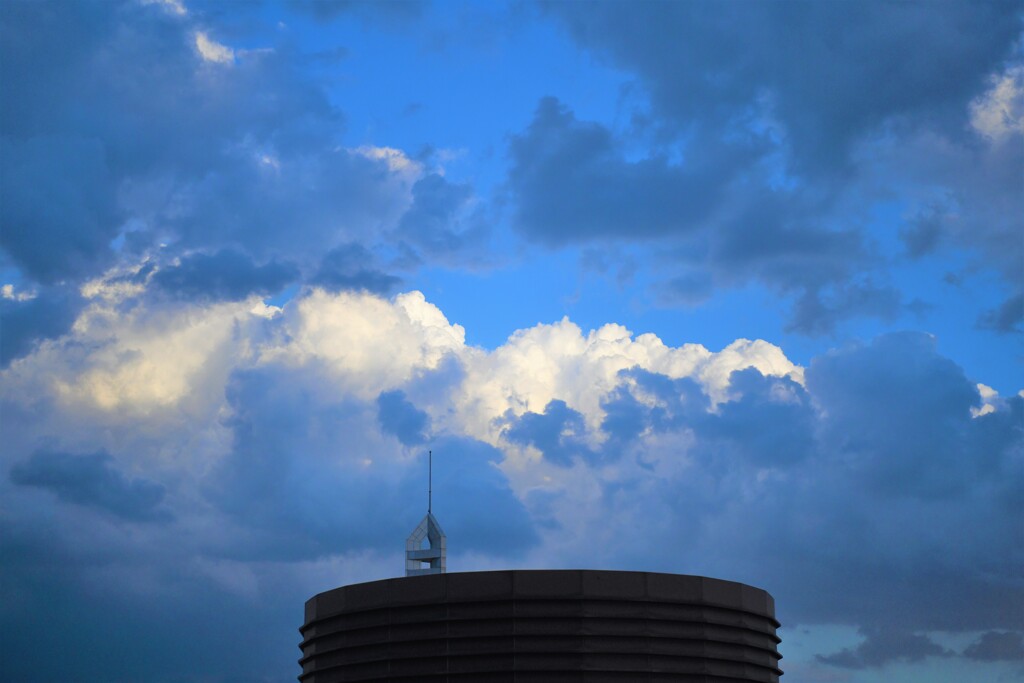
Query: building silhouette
[539,625]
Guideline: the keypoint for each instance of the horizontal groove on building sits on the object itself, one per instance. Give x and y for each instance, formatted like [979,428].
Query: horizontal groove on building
[540,625]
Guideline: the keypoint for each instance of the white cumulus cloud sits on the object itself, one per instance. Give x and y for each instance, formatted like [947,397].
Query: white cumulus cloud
[999,113]
[212,51]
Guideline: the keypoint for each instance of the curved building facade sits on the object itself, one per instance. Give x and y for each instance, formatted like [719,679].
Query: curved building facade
[539,625]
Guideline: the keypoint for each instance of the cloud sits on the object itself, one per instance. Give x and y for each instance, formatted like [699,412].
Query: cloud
[327,197]
[703,64]
[353,267]
[882,646]
[750,162]
[976,215]
[302,469]
[923,234]
[999,113]
[781,469]
[311,474]
[400,418]
[102,169]
[1005,319]
[559,362]
[185,458]
[92,481]
[292,448]
[58,217]
[553,433]
[437,224]
[212,51]
[572,183]
[716,218]
[915,442]
[129,360]
[770,423]
[26,322]
[370,343]
[818,312]
[481,512]
[226,275]
[995,646]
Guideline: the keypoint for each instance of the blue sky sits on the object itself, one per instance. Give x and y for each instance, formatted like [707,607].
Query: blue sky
[733,289]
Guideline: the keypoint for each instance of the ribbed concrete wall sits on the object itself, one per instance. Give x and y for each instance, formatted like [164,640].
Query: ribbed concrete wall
[541,626]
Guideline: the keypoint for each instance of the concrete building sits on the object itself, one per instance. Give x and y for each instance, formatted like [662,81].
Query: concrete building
[526,625]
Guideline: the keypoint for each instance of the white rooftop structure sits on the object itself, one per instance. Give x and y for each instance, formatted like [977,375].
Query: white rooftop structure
[421,560]
[429,531]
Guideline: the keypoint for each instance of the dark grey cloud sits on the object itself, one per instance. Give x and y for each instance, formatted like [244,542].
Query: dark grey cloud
[896,426]
[437,223]
[57,205]
[785,486]
[23,323]
[713,221]
[783,123]
[818,312]
[289,446]
[572,183]
[226,275]
[832,72]
[92,480]
[298,203]
[687,289]
[770,424]
[474,501]
[353,267]
[978,211]
[309,475]
[882,646]
[625,418]
[770,421]
[1005,319]
[118,127]
[786,240]
[400,418]
[557,433]
[995,646]
[901,413]
[980,214]
[123,606]
[677,403]
[924,233]
[86,119]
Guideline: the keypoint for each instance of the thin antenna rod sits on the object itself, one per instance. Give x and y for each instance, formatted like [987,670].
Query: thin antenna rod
[430,480]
